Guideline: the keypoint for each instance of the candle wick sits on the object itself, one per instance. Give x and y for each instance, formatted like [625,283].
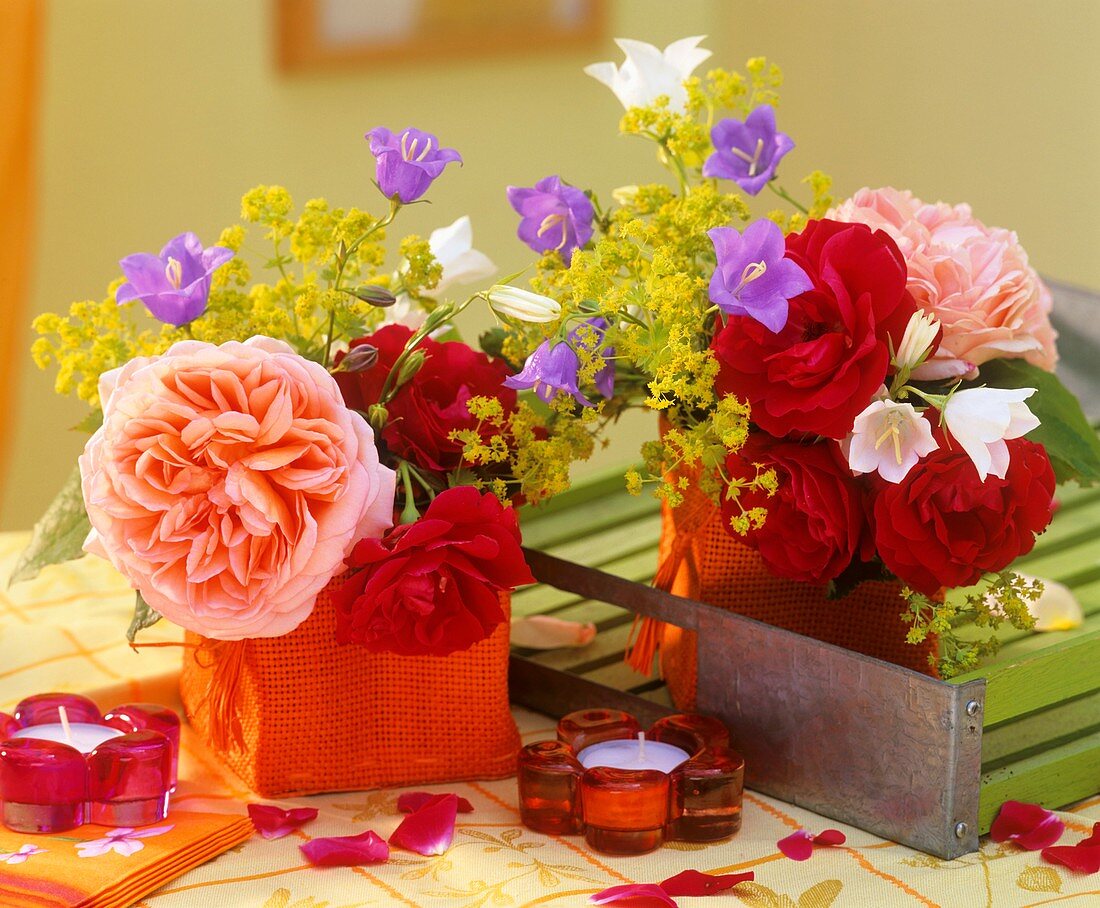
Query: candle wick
[63,714]
[641,745]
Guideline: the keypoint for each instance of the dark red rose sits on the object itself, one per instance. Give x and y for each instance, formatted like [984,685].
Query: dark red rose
[823,368]
[942,526]
[427,408]
[432,587]
[815,523]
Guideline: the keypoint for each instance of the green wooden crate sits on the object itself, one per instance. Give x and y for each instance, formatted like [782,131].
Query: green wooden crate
[1041,717]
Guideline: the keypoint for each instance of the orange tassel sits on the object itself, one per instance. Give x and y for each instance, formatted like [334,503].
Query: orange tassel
[227,659]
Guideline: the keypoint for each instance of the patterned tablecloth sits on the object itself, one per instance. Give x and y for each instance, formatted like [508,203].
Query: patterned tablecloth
[64,631]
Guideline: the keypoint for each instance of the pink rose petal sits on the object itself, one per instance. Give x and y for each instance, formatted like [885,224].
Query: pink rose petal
[692,882]
[431,829]
[1083,856]
[1028,825]
[648,891]
[347,851]
[412,801]
[273,822]
[798,846]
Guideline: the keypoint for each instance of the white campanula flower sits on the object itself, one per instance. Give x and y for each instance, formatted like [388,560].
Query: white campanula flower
[524,305]
[888,438]
[980,419]
[453,247]
[649,72]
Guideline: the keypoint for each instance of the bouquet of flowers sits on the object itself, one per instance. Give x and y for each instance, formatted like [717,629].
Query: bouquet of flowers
[863,390]
[288,465]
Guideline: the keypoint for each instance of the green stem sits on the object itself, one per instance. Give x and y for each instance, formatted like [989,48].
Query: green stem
[783,194]
[395,206]
[409,513]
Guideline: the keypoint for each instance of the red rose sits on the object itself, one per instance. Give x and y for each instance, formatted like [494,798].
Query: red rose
[823,368]
[427,408]
[815,520]
[942,526]
[432,587]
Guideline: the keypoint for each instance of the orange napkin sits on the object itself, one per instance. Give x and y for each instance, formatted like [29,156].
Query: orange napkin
[105,867]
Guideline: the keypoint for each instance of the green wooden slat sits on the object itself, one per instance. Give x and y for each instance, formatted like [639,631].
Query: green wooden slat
[1056,673]
[1053,778]
[1056,725]
[598,485]
[542,599]
[628,538]
[596,516]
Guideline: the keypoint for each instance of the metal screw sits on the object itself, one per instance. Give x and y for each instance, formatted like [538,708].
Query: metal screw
[961,829]
[973,707]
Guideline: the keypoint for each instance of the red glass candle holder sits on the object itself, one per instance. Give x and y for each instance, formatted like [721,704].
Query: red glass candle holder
[629,793]
[141,716]
[43,785]
[115,770]
[129,780]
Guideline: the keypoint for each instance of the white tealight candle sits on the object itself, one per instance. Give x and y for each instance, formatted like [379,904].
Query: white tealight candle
[84,736]
[631,753]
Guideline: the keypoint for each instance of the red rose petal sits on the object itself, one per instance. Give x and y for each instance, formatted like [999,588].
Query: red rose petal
[273,822]
[346,851]
[431,829]
[412,801]
[692,882]
[830,837]
[1028,825]
[798,846]
[1083,856]
[647,891]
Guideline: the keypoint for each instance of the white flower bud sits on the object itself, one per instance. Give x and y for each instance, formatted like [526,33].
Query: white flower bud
[524,305]
[919,336]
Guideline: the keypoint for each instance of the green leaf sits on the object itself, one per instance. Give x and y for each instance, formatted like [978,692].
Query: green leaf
[59,536]
[144,616]
[1071,442]
[90,423]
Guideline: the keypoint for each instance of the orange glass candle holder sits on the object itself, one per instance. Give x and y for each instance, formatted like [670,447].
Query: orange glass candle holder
[628,791]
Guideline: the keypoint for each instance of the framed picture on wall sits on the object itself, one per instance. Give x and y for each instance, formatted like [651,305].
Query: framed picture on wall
[313,34]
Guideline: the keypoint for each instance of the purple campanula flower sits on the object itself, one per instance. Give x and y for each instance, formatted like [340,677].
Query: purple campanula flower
[408,162]
[175,285]
[551,368]
[605,376]
[554,216]
[752,276]
[748,152]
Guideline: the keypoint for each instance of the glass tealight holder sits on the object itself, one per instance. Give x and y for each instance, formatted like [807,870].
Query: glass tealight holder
[43,785]
[141,716]
[42,709]
[600,780]
[129,779]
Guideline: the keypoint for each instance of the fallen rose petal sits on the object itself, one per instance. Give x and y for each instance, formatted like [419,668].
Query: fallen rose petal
[632,891]
[412,801]
[798,846]
[1083,856]
[692,882]
[431,829]
[273,822]
[830,837]
[547,632]
[1028,825]
[347,850]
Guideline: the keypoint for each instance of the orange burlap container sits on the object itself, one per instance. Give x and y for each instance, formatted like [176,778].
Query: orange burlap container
[301,714]
[699,559]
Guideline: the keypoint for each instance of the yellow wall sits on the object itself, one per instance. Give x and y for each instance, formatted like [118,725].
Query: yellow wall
[158,114]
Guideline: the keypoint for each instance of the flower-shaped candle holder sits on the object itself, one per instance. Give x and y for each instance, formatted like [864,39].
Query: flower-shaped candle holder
[63,763]
[628,791]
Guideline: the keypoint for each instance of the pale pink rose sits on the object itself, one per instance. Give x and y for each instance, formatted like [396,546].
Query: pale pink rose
[228,482]
[974,279]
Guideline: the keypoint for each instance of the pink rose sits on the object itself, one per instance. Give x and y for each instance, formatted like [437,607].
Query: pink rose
[975,279]
[228,483]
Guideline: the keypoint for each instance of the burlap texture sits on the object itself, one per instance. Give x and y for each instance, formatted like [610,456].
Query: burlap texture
[301,714]
[699,559]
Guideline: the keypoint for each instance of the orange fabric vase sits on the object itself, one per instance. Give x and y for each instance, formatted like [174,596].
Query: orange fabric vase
[302,714]
[699,559]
